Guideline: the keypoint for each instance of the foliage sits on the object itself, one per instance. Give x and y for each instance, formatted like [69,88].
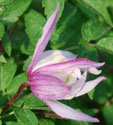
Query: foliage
[83,27]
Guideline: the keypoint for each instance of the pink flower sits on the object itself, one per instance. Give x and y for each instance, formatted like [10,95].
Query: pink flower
[56,75]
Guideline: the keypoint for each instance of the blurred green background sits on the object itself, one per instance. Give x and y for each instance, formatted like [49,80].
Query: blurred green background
[84,27]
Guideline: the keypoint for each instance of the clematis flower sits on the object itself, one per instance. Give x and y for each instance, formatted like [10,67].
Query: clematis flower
[55,75]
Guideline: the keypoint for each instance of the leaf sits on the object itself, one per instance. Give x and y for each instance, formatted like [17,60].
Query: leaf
[89,52]
[100,94]
[15,9]
[2,29]
[26,116]
[7,44]
[27,48]
[50,6]
[16,82]
[0,122]
[84,9]
[34,22]
[70,122]
[108,114]
[20,40]
[91,94]
[27,62]
[93,29]
[105,44]
[100,8]
[108,3]
[15,123]
[33,102]
[67,32]
[2,59]
[43,121]
[3,2]
[7,72]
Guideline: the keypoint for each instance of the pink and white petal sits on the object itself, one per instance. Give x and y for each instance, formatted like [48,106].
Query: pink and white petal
[52,57]
[94,70]
[89,86]
[69,113]
[42,42]
[49,87]
[69,65]
[77,86]
[66,54]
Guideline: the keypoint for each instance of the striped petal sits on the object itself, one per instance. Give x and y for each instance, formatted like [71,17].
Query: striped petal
[49,87]
[42,42]
[89,86]
[68,112]
[69,65]
[53,56]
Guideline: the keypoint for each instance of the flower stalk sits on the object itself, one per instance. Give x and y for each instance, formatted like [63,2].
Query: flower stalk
[12,100]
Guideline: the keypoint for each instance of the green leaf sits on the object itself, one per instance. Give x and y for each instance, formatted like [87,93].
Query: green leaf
[108,114]
[0,122]
[67,32]
[3,2]
[20,40]
[7,72]
[46,122]
[34,22]
[26,116]
[108,3]
[27,48]
[105,44]
[20,100]
[91,94]
[33,102]
[70,122]
[16,82]
[93,29]
[89,52]
[27,62]
[7,44]
[100,94]
[2,29]
[15,9]
[84,9]
[50,7]
[15,123]
[100,8]
[2,59]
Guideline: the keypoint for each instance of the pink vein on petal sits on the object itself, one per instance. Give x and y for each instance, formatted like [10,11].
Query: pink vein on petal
[42,42]
[69,65]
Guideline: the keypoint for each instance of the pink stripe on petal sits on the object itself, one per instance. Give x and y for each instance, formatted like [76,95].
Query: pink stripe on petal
[42,42]
[68,112]
[89,86]
[69,65]
[49,87]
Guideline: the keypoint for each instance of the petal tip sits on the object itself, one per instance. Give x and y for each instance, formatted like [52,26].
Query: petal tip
[104,78]
[101,64]
[95,120]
